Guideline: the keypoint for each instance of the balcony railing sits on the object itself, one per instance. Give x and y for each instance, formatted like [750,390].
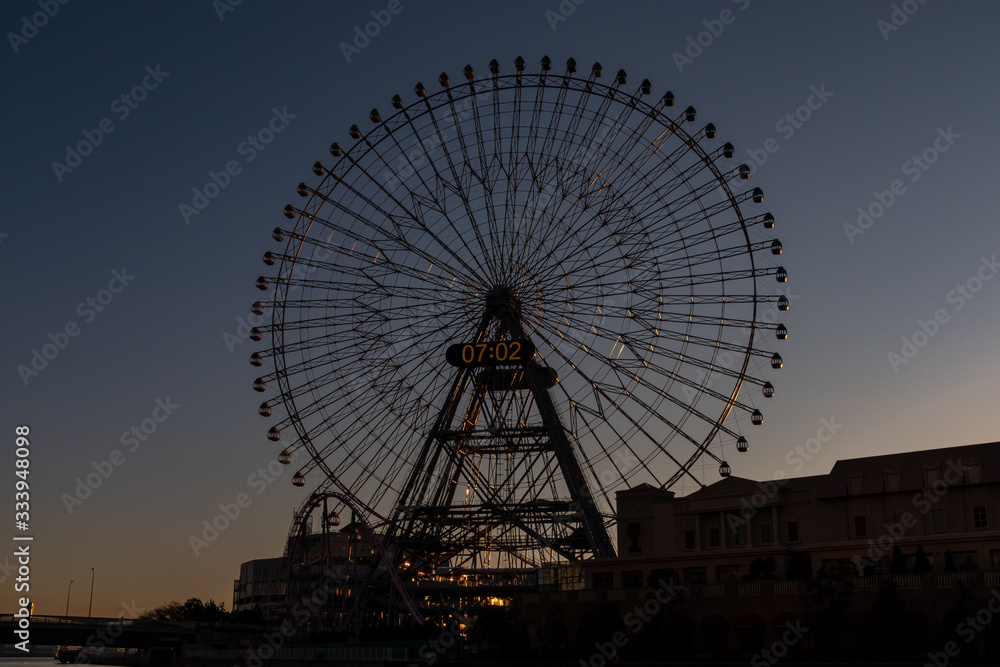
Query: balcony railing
[867,585]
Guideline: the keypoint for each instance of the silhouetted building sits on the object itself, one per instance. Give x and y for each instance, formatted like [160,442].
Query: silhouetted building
[742,559]
[262,583]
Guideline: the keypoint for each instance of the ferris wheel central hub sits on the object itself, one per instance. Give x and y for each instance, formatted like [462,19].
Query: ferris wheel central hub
[503,297]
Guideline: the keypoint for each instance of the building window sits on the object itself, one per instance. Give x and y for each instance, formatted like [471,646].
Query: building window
[632,531]
[932,475]
[892,479]
[714,538]
[689,538]
[860,526]
[939,521]
[766,535]
[967,561]
[659,577]
[979,517]
[740,535]
[604,579]
[727,574]
[793,531]
[974,470]
[695,575]
[854,481]
[632,579]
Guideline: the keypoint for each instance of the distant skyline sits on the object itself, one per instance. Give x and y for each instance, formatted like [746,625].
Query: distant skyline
[151,149]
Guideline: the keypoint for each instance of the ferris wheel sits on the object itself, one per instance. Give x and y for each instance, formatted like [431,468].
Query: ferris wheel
[509,297]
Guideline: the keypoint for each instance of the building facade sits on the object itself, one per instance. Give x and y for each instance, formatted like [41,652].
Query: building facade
[942,503]
[747,558]
[262,583]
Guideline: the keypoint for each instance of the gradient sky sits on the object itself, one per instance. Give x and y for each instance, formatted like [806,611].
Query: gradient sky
[895,92]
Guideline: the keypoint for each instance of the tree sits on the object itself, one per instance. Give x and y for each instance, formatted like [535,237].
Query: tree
[597,627]
[889,616]
[763,569]
[898,563]
[828,602]
[921,563]
[191,610]
[502,629]
[798,566]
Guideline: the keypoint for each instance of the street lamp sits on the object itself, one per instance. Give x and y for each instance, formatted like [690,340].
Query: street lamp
[91,607]
[70,590]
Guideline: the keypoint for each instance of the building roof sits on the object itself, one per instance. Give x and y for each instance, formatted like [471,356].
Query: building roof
[911,466]
[872,470]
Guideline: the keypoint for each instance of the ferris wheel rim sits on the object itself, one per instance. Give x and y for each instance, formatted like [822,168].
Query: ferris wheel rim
[445,96]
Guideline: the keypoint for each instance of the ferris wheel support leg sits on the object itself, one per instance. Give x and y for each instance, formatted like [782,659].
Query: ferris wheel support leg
[580,493]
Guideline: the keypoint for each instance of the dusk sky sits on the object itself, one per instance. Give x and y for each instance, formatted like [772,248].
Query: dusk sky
[885,107]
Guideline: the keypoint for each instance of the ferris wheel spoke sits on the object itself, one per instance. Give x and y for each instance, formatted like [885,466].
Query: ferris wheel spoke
[614,361]
[583,214]
[422,203]
[601,392]
[455,185]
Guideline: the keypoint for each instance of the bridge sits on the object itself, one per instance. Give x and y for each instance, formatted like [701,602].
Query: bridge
[99,632]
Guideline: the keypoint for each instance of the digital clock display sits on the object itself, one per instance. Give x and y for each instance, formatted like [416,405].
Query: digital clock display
[493,353]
